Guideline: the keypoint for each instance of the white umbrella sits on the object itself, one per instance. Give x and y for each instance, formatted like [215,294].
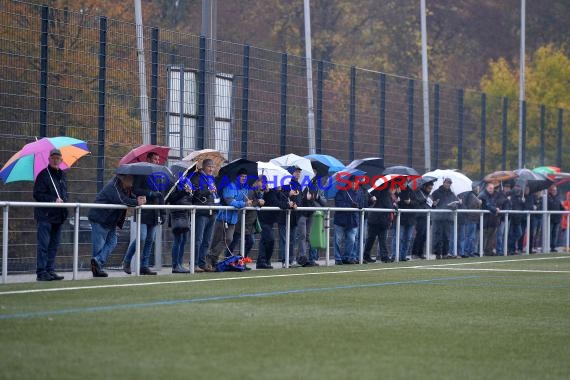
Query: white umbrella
[276,175]
[460,182]
[292,159]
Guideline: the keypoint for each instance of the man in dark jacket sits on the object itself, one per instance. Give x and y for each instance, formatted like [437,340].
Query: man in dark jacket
[378,225]
[554,203]
[346,223]
[491,220]
[407,200]
[205,194]
[149,220]
[516,221]
[104,222]
[443,199]
[271,198]
[293,194]
[50,186]
[424,201]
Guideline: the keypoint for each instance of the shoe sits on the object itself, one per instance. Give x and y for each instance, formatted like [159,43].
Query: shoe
[368,260]
[100,273]
[438,257]
[311,264]
[263,266]
[96,269]
[198,270]
[209,268]
[147,272]
[338,262]
[55,276]
[180,269]
[448,257]
[349,261]
[44,276]
[385,260]
[127,267]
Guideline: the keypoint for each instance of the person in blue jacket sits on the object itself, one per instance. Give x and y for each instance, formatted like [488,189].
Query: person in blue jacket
[235,194]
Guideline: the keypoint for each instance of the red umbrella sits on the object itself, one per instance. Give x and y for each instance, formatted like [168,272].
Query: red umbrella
[139,154]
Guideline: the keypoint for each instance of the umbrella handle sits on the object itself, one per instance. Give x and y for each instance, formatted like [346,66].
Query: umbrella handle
[53,183]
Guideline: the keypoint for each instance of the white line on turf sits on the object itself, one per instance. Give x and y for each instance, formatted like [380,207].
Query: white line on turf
[205,280]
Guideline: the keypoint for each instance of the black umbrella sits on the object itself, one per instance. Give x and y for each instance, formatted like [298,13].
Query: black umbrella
[372,166]
[401,170]
[159,177]
[534,181]
[424,179]
[229,171]
[180,169]
[320,169]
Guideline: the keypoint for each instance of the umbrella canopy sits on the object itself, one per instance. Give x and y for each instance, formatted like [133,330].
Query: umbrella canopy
[424,179]
[381,182]
[500,176]
[372,166]
[159,177]
[339,180]
[333,164]
[534,181]
[229,171]
[276,175]
[179,170]
[26,164]
[549,171]
[139,154]
[319,168]
[199,156]
[401,170]
[292,159]
[460,182]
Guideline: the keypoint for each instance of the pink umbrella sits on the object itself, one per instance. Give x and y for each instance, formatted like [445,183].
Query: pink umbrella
[139,154]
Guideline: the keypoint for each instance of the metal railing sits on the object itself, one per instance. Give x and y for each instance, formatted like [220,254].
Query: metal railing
[326,224]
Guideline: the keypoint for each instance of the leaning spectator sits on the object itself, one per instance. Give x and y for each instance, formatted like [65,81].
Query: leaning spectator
[346,224]
[443,199]
[104,222]
[554,204]
[490,220]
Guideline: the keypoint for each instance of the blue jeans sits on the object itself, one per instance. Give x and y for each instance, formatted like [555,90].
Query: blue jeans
[282,236]
[515,233]
[468,246]
[204,231]
[147,235]
[500,238]
[104,240]
[178,248]
[349,236]
[406,233]
[49,235]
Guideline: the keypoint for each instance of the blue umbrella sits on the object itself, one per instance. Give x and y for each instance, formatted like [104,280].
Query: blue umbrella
[333,164]
[338,180]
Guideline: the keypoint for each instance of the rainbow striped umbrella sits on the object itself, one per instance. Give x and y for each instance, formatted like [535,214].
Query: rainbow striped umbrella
[26,164]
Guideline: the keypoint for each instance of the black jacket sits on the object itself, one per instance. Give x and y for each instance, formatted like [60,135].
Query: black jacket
[444,199]
[180,198]
[44,191]
[383,200]
[203,196]
[272,198]
[140,188]
[112,193]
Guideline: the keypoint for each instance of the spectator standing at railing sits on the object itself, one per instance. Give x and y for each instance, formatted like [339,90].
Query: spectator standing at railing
[468,222]
[268,218]
[293,194]
[424,201]
[516,221]
[311,197]
[443,199]
[150,219]
[554,203]
[504,202]
[50,186]
[566,218]
[179,222]
[535,221]
[235,195]
[104,222]
[346,223]
[490,220]
[378,225]
[407,201]
[205,194]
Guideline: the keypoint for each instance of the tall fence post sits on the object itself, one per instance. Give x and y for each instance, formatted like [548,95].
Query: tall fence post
[505,116]
[542,127]
[410,98]
[201,127]
[5,221]
[283,135]
[153,85]
[44,71]
[245,102]
[483,133]
[382,118]
[523,132]
[352,113]
[460,121]
[435,126]
[101,102]
[319,106]
[559,139]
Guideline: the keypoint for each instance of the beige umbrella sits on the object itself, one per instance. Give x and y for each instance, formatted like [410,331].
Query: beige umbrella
[198,156]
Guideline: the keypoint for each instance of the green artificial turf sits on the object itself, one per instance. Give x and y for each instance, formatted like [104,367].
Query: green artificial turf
[398,321]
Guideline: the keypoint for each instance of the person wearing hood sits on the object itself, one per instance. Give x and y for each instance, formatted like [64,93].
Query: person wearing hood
[443,199]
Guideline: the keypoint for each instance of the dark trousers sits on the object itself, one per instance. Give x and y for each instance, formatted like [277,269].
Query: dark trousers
[441,237]
[374,231]
[266,244]
[48,235]
[420,239]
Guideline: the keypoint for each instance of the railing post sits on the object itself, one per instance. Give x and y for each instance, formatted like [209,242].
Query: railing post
[481,242]
[527,233]
[287,236]
[397,237]
[76,243]
[361,237]
[506,235]
[192,240]
[328,233]
[242,234]
[428,235]
[5,244]
[138,243]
